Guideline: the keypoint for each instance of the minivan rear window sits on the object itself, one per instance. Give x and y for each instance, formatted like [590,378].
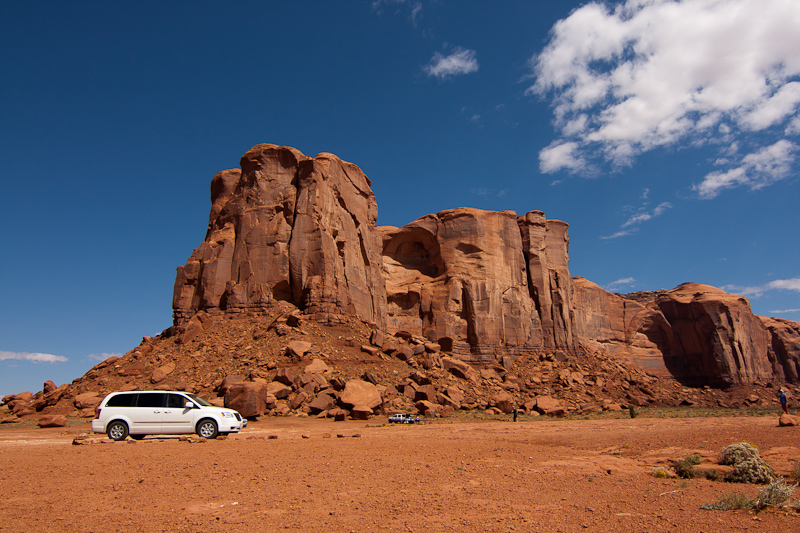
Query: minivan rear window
[122,400]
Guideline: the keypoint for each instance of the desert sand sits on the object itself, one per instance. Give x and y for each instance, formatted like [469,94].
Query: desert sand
[295,474]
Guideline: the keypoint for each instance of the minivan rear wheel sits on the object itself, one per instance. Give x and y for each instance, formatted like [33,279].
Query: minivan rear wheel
[207,429]
[117,430]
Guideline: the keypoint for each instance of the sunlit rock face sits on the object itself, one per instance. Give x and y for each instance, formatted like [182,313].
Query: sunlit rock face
[287,227]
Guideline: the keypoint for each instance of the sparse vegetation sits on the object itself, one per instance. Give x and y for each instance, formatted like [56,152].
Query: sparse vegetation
[632,411]
[775,494]
[660,473]
[748,467]
[730,501]
[685,468]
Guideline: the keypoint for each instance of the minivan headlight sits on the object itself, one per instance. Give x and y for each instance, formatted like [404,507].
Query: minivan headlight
[228,414]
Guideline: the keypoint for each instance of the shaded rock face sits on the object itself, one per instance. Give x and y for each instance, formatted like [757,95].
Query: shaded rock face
[784,353]
[709,337]
[699,334]
[480,283]
[287,227]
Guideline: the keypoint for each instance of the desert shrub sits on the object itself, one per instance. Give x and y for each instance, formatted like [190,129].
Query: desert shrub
[753,471]
[729,501]
[685,467]
[632,411]
[748,467]
[795,474]
[775,494]
[711,474]
[660,473]
[738,453]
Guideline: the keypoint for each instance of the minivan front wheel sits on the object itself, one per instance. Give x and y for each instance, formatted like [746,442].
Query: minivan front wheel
[207,429]
[117,430]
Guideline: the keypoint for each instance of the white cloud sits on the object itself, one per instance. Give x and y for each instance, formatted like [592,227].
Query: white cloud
[34,357]
[644,216]
[620,283]
[756,170]
[792,284]
[781,311]
[560,155]
[644,74]
[618,234]
[461,61]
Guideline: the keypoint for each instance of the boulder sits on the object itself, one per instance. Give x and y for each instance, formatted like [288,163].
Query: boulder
[52,421]
[227,382]
[248,398]
[279,390]
[459,369]
[787,420]
[48,387]
[503,401]
[548,405]
[317,366]
[160,373]
[87,400]
[360,392]
[323,402]
[360,412]
[298,349]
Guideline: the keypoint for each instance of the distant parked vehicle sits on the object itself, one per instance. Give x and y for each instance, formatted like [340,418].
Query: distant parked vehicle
[140,413]
[403,418]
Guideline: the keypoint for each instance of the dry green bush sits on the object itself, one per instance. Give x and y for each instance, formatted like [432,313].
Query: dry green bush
[685,467]
[748,467]
[774,495]
[729,501]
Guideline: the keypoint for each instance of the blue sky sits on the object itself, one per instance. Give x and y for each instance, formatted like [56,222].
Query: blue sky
[665,133]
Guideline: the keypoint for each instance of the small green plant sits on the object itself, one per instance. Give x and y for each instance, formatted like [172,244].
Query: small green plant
[711,474]
[685,467]
[729,501]
[660,473]
[774,495]
[632,411]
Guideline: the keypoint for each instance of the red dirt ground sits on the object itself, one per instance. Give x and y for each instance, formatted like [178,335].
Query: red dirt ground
[445,475]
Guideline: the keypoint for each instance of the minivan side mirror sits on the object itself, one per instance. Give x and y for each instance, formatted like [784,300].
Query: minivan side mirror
[188,405]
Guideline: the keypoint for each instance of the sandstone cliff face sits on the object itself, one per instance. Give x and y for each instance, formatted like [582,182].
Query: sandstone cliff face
[482,284]
[697,333]
[784,351]
[287,227]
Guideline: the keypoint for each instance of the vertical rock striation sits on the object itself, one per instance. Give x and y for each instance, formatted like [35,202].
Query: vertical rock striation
[287,227]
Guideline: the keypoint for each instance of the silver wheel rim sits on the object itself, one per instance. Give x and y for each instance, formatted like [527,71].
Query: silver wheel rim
[116,432]
[206,430]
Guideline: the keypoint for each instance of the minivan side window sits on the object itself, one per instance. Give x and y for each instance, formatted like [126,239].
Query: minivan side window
[152,399]
[122,400]
[176,401]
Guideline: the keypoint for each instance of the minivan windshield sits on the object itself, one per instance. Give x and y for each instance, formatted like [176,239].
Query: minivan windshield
[199,401]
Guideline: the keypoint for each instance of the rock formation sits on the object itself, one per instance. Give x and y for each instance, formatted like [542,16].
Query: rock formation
[480,282]
[482,286]
[287,227]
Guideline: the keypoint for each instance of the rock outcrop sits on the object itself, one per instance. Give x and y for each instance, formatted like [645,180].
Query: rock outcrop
[484,287]
[287,227]
[480,283]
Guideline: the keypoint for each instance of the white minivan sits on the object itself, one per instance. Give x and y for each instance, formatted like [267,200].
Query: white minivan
[140,413]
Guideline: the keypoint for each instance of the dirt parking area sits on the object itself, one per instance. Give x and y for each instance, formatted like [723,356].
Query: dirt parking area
[292,474]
